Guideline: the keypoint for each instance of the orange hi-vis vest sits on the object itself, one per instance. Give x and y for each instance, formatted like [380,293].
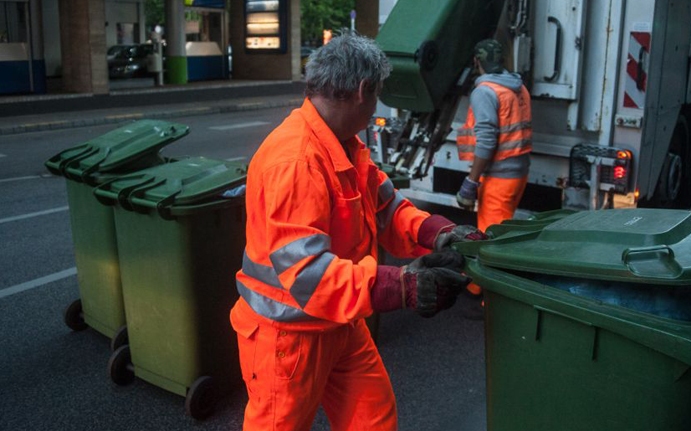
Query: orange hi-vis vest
[315,218]
[515,131]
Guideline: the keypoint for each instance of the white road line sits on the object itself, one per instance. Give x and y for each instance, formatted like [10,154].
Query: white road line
[240,126]
[36,214]
[3,155]
[17,288]
[30,177]
[235,159]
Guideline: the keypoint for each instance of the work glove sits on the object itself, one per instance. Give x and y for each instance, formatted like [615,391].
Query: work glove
[429,284]
[462,233]
[467,195]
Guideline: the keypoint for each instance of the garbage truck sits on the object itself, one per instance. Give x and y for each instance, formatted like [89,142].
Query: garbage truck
[610,97]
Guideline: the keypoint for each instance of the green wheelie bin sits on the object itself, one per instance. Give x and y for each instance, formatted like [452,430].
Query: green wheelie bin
[180,237]
[120,151]
[429,44]
[588,322]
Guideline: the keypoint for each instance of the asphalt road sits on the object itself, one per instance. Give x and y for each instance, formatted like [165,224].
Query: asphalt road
[56,379]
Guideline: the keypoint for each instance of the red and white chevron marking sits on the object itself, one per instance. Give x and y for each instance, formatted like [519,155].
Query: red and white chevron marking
[637,70]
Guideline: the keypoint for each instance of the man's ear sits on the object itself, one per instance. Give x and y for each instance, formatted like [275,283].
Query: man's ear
[362,91]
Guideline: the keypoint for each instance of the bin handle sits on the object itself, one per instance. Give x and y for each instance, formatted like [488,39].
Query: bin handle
[127,194]
[162,206]
[101,191]
[86,173]
[61,163]
[185,210]
[636,258]
[169,212]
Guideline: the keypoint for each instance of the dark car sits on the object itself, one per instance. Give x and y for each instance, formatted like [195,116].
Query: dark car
[129,61]
[305,52]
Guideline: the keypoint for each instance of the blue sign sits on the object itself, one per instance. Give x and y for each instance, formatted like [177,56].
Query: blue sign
[219,4]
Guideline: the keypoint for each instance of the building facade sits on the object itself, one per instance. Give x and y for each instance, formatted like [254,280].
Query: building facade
[69,40]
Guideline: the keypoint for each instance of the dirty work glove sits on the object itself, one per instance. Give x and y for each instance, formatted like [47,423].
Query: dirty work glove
[430,283]
[463,233]
[467,195]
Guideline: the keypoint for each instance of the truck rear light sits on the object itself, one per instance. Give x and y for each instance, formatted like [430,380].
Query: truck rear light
[620,172]
[612,166]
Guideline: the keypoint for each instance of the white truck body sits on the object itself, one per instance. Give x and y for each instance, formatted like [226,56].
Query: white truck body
[609,75]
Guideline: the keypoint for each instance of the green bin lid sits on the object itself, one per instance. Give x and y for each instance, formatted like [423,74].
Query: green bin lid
[126,149]
[188,184]
[649,246]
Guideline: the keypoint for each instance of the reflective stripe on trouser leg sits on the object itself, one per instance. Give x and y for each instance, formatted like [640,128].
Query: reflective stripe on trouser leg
[287,374]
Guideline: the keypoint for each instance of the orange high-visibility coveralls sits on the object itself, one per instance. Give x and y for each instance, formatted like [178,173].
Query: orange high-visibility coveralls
[499,196]
[314,217]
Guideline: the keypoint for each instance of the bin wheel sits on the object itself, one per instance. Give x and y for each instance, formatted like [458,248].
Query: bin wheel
[120,338]
[120,366]
[74,317]
[201,398]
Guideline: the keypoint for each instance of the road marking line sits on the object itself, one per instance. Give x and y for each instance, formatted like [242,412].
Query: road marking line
[236,159]
[31,177]
[36,214]
[17,288]
[3,155]
[240,126]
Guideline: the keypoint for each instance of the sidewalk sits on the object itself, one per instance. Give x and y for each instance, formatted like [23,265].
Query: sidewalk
[22,114]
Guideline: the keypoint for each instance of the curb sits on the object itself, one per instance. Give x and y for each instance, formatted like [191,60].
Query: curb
[168,113]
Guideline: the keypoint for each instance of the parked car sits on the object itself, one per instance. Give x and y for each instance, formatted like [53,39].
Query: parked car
[129,61]
[114,50]
[305,52]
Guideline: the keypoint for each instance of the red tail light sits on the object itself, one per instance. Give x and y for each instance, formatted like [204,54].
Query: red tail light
[619,172]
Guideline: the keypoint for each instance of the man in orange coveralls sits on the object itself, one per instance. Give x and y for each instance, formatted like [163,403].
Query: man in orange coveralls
[497,138]
[317,209]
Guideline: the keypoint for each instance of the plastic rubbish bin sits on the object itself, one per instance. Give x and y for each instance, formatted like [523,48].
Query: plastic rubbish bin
[587,322]
[120,151]
[428,55]
[180,240]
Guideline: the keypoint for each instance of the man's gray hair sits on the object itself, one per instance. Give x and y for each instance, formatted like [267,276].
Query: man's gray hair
[336,69]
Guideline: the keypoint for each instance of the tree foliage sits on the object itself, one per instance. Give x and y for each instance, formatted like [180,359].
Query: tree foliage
[316,16]
[155,13]
[319,15]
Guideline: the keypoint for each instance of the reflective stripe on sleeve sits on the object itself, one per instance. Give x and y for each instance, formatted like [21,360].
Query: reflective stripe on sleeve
[309,277]
[386,190]
[293,252]
[385,215]
[270,308]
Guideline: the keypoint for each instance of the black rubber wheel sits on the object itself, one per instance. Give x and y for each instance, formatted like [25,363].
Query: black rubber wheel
[74,318]
[201,398]
[674,184]
[120,338]
[120,367]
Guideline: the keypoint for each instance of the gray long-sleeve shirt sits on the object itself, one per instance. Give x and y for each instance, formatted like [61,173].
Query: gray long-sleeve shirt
[485,105]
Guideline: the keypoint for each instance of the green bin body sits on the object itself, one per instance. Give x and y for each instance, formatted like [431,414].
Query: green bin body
[587,322]
[180,244]
[118,152]
[429,43]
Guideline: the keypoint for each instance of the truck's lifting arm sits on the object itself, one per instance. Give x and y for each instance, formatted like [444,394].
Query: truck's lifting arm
[411,142]
[430,46]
